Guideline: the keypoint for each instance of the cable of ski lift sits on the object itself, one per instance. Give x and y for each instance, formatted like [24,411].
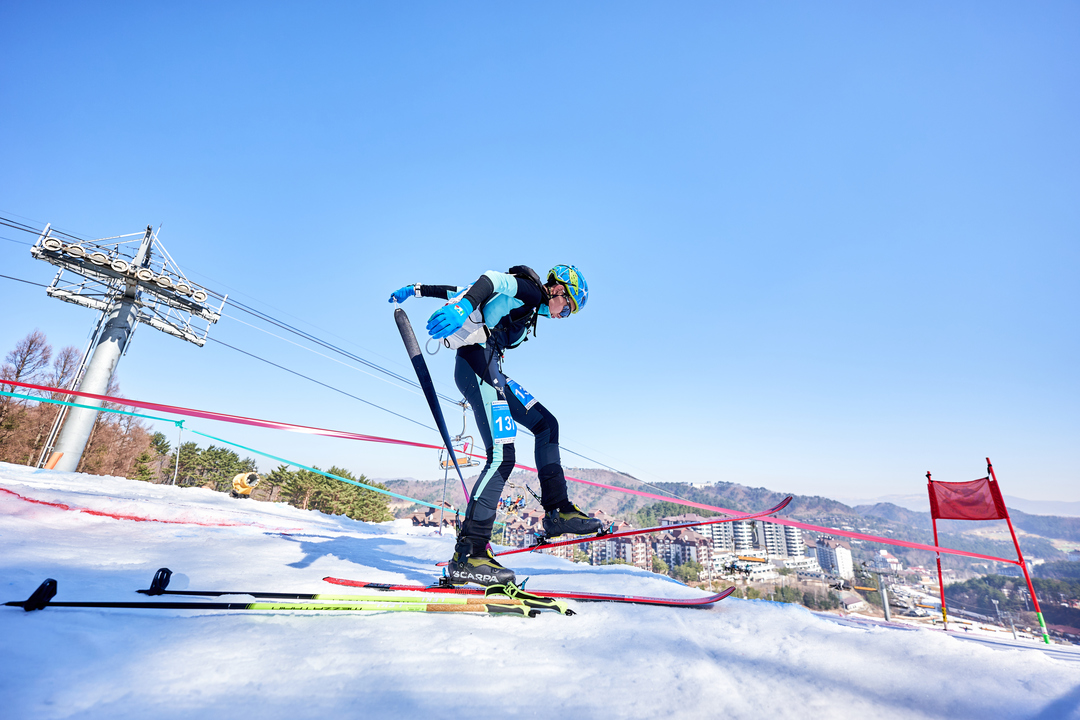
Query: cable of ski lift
[16,225]
[329,346]
[28,282]
[319,382]
[411,389]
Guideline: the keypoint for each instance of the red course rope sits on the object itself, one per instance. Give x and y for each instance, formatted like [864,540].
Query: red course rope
[135,518]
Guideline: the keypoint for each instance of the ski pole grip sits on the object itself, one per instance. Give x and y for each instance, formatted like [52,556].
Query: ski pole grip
[159,583]
[41,597]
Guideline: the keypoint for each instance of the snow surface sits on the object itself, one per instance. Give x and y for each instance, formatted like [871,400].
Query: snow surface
[739,659]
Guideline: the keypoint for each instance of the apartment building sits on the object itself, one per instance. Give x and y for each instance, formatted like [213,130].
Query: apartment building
[744,536]
[774,540]
[684,545]
[719,534]
[834,556]
[793,539]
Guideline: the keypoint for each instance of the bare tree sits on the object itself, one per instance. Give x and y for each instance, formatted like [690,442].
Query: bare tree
[25,363]
[30,356]
[115,445]
[64,366]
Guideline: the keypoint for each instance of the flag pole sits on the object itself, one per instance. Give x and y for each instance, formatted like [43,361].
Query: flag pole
[1023,565]
[941,580]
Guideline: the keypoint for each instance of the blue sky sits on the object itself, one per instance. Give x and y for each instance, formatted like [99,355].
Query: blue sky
[830,246]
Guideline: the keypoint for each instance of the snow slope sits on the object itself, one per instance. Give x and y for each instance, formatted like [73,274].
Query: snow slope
[740,659]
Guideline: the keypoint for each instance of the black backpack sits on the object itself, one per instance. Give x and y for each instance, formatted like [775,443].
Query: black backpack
[524,272]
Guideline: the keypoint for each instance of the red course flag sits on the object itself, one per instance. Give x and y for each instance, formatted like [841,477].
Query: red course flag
[975,500]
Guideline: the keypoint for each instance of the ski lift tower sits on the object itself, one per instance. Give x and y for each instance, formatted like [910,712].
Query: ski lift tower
[130,279]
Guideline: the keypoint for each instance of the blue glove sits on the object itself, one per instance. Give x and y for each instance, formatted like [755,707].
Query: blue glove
[448,319]
[403,294]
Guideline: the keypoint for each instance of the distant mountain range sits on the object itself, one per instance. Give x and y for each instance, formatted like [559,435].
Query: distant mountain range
[615,502]
[922,503]
[900,516]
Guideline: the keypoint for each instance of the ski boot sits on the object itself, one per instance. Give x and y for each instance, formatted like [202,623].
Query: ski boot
[570,522]
[473,562]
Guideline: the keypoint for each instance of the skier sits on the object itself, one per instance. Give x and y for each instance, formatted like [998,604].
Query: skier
[482,321]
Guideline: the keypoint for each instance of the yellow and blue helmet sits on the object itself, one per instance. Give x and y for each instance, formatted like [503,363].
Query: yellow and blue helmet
[574,282]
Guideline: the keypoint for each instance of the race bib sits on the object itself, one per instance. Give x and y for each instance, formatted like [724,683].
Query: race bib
[522,394]
[503,427]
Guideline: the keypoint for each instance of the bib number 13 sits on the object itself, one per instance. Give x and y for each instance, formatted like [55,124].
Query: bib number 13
[503,427]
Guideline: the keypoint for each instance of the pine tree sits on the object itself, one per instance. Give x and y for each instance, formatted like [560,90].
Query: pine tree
[313,491]
[212,468]
[143,469]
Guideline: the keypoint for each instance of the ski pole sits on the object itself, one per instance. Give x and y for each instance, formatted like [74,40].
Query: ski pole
[42,598]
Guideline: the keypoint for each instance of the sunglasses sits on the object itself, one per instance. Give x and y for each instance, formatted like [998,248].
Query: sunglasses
[565,312]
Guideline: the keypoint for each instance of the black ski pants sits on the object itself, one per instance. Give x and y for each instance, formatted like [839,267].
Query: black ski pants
[479,377]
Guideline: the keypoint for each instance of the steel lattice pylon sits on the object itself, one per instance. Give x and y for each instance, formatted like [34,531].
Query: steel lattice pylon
[129,279]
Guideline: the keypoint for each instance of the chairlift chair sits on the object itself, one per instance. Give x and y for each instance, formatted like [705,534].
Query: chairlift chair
[464,441]
[464,460]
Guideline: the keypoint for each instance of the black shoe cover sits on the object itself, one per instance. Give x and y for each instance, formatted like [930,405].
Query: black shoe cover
[574,522]
[477,565]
